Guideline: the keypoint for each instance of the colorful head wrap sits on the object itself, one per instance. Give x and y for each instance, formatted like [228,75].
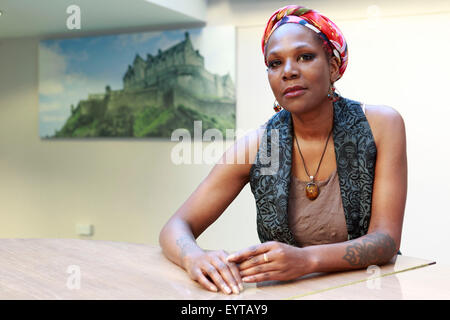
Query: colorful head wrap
[314,21]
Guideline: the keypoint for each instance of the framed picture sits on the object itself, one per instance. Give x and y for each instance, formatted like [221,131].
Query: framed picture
[137,85]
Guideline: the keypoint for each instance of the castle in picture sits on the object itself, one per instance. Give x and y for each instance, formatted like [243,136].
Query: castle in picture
[161,93]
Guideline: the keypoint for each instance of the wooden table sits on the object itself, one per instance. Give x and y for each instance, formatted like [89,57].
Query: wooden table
[427,283]
[88,269]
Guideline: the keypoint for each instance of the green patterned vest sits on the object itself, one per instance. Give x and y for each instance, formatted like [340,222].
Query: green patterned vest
[355,158]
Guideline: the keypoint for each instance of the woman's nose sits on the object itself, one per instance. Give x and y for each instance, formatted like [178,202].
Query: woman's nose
[290,70]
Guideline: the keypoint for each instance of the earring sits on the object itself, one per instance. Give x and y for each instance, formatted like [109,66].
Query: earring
[332,95]
[276,106]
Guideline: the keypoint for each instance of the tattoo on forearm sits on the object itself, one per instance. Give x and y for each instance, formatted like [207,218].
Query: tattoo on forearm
[374,248]
[184,243]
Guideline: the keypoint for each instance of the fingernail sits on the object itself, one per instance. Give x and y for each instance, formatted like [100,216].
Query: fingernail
[235,290]
[213,288]
[228,290]
[245,279]
[230,257]
[241,287]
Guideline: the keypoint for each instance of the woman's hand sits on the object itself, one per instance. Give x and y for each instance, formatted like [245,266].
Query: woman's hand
[272,261]
[213,271]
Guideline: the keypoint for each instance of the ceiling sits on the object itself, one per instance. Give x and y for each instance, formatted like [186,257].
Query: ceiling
[47,18]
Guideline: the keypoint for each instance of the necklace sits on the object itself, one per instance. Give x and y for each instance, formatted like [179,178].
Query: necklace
[312,189]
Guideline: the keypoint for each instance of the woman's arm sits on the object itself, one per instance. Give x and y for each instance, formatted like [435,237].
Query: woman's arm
[201,209]
[285,262]
[382,242]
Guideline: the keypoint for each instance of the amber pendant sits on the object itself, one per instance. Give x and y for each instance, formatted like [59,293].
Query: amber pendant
[312,190]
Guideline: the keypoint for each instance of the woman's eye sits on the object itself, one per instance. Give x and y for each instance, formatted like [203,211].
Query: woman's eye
[306,57]
[274,63]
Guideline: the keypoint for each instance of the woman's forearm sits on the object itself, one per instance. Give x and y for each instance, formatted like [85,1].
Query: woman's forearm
[177,241]
[375,248]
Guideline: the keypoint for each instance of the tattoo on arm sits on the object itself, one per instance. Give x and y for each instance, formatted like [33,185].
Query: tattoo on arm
[185,243]
[373,249]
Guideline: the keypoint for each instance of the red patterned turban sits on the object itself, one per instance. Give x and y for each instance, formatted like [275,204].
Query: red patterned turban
[313,20]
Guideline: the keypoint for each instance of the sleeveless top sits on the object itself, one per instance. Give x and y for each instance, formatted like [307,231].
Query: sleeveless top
[321,221]
[270,175]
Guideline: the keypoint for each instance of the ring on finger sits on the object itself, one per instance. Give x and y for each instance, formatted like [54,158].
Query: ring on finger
[266,259]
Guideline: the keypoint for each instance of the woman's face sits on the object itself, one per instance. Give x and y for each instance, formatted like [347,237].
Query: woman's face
[300,73]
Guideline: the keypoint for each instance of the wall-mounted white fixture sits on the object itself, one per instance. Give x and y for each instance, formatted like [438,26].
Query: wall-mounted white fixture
[84,229]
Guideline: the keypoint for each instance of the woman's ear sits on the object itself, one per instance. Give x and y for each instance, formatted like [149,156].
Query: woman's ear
[334,69]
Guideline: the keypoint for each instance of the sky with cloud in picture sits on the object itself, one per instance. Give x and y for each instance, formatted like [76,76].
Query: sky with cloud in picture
[70,69]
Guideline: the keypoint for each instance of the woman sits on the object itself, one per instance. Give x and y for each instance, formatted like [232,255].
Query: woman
[334,200]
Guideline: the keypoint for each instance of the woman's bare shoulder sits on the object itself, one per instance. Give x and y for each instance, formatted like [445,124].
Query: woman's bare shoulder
[384,121]
[383,111]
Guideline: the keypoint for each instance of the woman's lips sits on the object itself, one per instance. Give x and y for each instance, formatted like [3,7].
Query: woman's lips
[294,92]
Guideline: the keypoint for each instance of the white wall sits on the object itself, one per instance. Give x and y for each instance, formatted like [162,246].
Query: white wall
[129,188]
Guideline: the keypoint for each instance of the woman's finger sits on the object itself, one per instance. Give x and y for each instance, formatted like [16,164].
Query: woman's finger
[200,278]
[233,268]
[261,268]
[217,278]
[235,273]
[248,253]
[260,259]
[265,276]
[226,274]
